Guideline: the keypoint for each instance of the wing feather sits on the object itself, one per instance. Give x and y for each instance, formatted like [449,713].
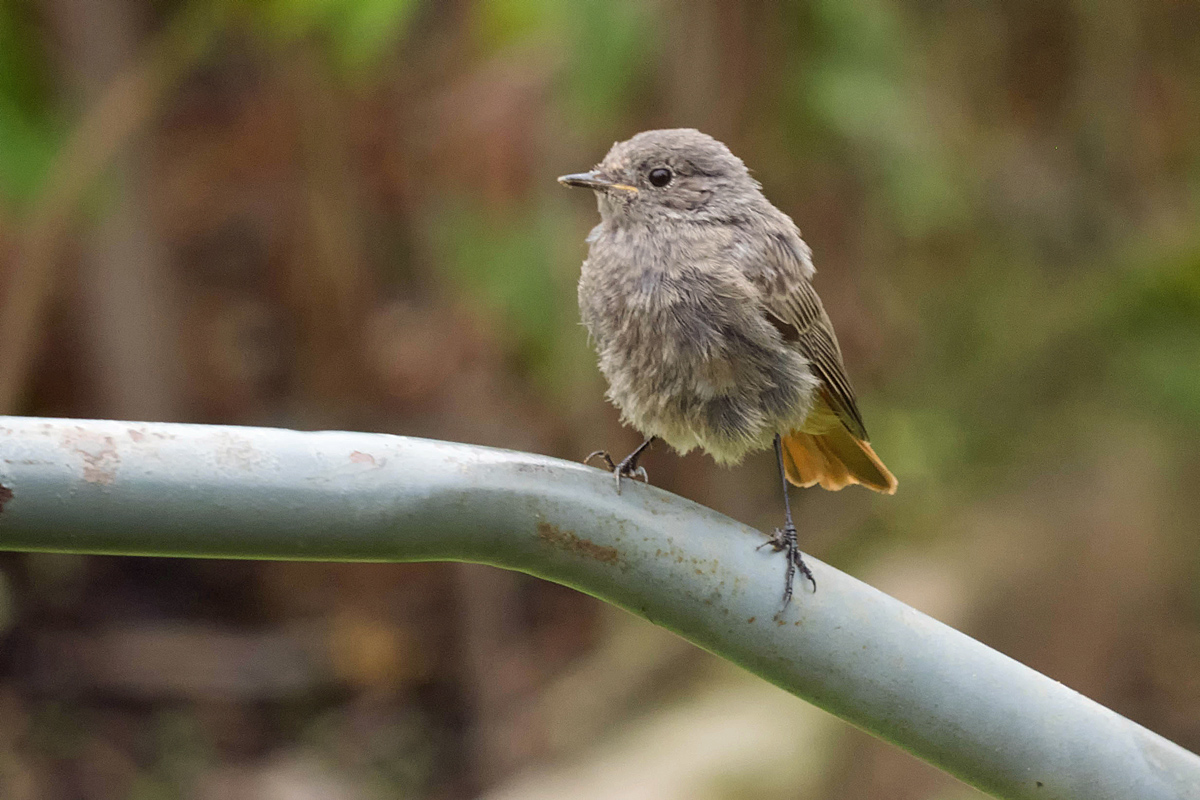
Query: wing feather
[792,305]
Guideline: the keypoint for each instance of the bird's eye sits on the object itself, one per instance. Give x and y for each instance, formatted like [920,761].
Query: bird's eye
[660,176]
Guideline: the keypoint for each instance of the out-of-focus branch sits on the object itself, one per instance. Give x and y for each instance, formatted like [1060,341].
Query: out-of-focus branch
[213,491]
[130,298]
[123,108]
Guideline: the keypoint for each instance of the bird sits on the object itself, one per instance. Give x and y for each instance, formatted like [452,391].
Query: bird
[697,295]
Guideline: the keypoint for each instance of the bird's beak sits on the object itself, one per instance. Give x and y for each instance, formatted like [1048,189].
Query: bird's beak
[595,180]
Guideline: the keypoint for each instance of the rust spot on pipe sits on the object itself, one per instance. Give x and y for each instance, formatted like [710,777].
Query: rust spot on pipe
[238,453]
[99,454]
[567,540]
[6,494]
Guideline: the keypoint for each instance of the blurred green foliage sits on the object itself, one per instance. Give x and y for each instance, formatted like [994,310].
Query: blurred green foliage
[503,262]
[28,133]
[357,31]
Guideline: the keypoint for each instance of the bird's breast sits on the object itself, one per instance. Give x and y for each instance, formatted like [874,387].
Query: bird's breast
[689,355]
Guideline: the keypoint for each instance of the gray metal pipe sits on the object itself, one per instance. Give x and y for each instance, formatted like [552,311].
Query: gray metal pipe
[84,486]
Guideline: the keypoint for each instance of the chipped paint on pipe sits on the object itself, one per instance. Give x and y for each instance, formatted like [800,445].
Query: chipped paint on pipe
[227,492]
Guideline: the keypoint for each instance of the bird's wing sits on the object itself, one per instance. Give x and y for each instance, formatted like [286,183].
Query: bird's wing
[791,304]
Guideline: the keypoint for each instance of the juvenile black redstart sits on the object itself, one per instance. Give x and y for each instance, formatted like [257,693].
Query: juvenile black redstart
[697,294]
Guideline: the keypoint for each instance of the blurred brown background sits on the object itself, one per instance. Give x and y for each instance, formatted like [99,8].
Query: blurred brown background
[342,214]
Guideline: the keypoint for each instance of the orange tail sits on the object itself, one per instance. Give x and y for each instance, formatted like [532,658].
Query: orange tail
[834,460]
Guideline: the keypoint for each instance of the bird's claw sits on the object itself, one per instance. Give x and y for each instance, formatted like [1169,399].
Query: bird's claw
[627,468]
[784,540]
[623,471]
[601,454]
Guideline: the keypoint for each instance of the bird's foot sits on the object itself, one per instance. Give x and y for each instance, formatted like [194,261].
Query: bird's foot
[626,468]
[784,540]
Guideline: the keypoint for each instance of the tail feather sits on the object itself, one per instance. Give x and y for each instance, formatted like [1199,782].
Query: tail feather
[834,460]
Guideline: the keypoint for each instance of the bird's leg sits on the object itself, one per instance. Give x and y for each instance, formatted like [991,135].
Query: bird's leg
[785,538]
[627,467]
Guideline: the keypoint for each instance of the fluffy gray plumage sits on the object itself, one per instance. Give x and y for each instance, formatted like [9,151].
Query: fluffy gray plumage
[697,296]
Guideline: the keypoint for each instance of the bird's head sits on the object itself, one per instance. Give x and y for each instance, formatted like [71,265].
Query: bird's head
[660,175]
